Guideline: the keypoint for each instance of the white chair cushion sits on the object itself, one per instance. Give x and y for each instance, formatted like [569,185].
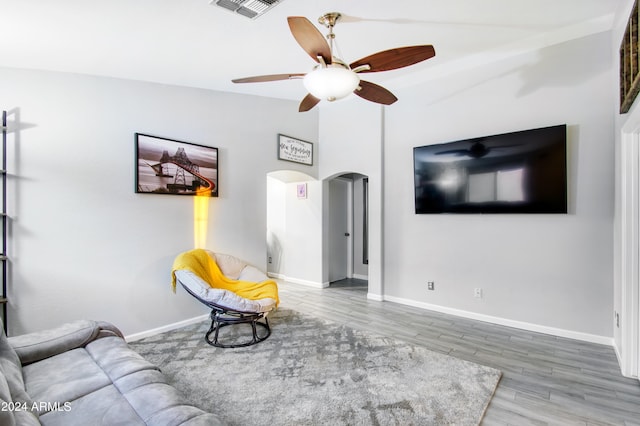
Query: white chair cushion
[224,298]
[230,266]
[253,274]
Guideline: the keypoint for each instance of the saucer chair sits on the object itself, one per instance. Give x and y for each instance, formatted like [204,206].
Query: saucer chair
[236,293]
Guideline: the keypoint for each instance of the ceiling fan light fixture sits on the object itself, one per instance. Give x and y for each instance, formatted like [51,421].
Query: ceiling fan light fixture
[331,83]
[333,79]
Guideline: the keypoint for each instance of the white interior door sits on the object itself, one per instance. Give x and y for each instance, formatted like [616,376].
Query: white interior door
[339,229]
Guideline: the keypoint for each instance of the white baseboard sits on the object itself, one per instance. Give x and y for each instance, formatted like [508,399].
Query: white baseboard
[164,328]
[377,297]
[361,277]
[576,335]
[315,284]
[307,282]
[616,349]
[623,368]
[275,275]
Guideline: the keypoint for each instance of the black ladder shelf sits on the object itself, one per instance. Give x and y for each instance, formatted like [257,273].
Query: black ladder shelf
[3,215]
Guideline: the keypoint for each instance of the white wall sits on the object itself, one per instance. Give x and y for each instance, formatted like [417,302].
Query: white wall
[351,139]
[547,272]
[83,244]
[276,226]
[294,231]
[304,234]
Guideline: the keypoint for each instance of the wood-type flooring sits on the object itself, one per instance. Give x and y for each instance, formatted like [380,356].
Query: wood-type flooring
[547,380]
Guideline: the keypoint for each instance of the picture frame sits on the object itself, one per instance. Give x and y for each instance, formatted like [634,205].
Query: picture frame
[295,150]
[629,62]
[174,167]
[301,190]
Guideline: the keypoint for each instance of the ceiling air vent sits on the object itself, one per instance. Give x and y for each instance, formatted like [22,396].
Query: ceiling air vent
[249,8]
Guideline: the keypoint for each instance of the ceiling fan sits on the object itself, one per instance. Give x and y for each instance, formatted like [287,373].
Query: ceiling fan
[332,78]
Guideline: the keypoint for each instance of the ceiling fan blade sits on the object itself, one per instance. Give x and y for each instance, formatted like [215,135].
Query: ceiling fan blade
[309,38]
[374,93]
[395,58]
[263,78]
[308,102]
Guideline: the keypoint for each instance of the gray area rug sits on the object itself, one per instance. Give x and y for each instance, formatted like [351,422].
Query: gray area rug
[314,372]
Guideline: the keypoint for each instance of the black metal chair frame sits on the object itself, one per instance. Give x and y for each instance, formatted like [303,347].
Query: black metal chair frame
[222,316]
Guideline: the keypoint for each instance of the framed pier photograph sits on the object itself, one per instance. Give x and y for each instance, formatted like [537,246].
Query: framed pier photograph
[169,166]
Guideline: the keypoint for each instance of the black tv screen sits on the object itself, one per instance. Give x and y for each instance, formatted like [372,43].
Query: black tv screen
[519,172]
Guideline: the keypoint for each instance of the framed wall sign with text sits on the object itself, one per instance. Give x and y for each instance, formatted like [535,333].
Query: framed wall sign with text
[296,150]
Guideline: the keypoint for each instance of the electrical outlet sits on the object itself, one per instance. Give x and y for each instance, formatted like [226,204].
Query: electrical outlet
[477,293]
[431,285]
[270,260]
[617,320]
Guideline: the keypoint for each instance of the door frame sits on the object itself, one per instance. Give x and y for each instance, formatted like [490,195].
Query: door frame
[349,215]
[629,246]
[350,229]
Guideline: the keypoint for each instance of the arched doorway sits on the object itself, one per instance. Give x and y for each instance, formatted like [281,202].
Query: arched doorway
[318,235]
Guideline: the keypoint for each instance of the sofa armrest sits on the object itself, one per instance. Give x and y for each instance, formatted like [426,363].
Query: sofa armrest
[106,329]
[39,345]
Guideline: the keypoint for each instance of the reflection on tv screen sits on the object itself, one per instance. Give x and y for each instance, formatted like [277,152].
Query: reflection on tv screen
[519,172]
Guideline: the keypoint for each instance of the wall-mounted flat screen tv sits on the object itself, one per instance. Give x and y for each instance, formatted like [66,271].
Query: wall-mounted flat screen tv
[519,172]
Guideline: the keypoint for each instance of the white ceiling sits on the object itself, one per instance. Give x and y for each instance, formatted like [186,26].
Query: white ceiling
[193,43]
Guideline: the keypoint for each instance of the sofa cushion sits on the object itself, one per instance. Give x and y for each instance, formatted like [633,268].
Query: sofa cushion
[168,408]
[63,377]
[33,347]
[138,398]
[104,407]
[116,359]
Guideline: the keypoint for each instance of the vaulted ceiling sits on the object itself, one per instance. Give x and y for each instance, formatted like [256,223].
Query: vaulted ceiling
[194,43]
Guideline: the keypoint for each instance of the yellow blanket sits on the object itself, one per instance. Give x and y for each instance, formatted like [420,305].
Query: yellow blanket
[200,263]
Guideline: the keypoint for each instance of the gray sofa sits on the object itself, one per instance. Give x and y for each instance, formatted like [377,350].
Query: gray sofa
[83,373]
